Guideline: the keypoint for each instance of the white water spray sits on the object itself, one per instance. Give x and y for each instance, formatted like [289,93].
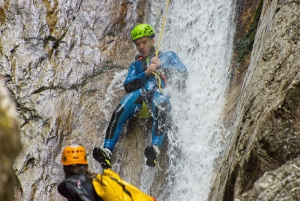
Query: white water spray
[201,33]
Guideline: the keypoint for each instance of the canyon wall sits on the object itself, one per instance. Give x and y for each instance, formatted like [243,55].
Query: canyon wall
[64,63]
[262,162]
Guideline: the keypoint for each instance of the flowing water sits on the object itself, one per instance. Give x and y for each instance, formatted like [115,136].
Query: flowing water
[201,33]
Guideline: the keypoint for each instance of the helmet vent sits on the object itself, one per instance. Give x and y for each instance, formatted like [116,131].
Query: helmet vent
[141,30]
[73,155]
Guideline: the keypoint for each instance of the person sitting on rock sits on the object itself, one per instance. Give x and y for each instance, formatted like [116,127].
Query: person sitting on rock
[147,76]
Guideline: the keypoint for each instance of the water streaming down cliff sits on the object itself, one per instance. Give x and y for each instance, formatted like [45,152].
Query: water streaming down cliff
[201,34]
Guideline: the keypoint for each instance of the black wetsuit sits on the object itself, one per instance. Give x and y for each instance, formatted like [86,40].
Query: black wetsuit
[78,188]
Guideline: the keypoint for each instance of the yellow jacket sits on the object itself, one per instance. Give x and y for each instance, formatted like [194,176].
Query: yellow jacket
[110,187]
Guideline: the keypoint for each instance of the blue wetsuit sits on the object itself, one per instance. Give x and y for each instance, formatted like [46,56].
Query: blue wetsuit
[141,87]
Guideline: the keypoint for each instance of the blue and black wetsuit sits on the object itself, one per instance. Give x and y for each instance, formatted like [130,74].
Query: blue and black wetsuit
[143,88]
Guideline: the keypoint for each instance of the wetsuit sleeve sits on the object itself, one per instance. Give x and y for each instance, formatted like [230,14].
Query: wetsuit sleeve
[171,60]
[134,80]
[174,69]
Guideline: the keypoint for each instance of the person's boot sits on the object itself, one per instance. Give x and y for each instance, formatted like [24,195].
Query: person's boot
[103,156]
[151,153]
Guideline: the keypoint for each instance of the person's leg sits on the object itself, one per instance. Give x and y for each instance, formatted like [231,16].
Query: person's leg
[161,108]
[128,107]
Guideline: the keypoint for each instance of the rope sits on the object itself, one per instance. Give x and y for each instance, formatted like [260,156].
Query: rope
[159,42]
[159,81]
[162,28]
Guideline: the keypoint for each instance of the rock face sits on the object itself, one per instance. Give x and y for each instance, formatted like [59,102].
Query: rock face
[262,161]
[64,63]
[10,144]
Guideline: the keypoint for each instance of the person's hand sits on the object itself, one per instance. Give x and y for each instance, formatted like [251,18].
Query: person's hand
[151,68]
[155,62]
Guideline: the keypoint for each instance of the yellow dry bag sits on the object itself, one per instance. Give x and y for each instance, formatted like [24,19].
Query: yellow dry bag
[110,187]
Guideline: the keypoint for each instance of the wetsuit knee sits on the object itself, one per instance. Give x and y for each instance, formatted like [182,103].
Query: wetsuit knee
[113,122]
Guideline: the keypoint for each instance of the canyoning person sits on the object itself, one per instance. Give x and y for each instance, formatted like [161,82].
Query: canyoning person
[77,185]
[82,185]
[147,76]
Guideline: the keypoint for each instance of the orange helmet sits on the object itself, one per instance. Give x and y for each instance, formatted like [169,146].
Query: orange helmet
[73,155]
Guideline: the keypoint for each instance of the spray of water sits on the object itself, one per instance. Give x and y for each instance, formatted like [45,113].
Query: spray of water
[200,32]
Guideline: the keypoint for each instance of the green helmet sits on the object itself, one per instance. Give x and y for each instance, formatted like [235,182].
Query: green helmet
[141,30]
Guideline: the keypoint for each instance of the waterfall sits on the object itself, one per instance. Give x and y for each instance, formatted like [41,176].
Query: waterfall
[201,33]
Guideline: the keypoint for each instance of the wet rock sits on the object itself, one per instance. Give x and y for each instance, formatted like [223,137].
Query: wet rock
[64,63]
[265,133]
